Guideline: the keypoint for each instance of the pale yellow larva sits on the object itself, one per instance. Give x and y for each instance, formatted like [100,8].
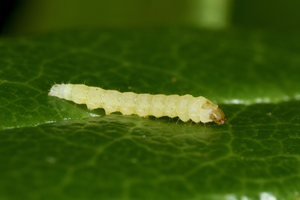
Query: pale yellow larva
[198,109]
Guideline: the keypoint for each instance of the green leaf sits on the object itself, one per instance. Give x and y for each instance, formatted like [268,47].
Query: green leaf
[54,149]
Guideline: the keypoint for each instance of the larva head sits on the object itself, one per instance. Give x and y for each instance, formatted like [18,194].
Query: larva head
[218,116]
[210,112]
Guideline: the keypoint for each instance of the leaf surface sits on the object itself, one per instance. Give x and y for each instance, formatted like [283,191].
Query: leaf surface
[54,149]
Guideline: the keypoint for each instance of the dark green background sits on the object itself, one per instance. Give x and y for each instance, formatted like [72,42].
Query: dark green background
[54,149]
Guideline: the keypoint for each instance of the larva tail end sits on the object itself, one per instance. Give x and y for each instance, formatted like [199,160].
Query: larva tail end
[54,90]
[218,116]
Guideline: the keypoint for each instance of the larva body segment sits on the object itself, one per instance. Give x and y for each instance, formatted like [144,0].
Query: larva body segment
[128,103]
[111,101]
[157,105]
[185,107]
[170,105]
[95,98]
[143,103]
[195,109]
[182,107]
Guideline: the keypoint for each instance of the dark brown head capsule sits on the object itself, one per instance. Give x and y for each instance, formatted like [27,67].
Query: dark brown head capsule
[218,116]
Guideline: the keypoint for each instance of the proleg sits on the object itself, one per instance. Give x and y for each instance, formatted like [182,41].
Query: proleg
[186,107]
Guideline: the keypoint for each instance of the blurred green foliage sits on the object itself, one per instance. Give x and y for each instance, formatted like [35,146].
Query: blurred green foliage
[278,16]
[33,16]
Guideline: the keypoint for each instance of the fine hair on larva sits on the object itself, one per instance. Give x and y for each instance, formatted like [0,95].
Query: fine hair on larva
[186,107]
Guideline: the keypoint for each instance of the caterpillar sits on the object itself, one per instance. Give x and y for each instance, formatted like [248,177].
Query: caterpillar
[186,107]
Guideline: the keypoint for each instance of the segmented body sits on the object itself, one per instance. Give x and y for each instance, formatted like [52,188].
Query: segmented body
[198,109]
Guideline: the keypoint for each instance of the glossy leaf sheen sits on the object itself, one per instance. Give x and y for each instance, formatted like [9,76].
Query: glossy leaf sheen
[54,149]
